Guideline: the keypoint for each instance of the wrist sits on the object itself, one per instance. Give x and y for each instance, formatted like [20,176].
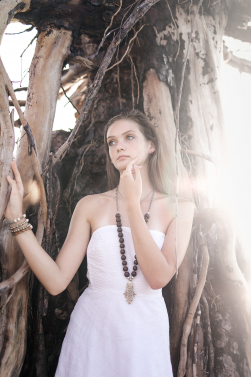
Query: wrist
[133,205]
[15,218]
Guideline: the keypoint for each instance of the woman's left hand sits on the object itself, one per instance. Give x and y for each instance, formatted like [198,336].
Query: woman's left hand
[130,185]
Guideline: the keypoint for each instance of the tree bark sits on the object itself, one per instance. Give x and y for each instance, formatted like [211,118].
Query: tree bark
[45,73]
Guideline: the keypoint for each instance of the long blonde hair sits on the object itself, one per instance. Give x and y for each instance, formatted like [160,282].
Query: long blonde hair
[157,179]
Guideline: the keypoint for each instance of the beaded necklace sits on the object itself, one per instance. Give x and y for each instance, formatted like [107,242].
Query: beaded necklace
[129,293]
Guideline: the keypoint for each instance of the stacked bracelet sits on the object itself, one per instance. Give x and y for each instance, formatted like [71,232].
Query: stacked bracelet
[21,228]
[18,225]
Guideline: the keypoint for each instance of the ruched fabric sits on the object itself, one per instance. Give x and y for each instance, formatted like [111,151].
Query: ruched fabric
[106,336]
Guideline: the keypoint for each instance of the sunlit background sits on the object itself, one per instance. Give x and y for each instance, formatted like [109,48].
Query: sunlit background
[235,185]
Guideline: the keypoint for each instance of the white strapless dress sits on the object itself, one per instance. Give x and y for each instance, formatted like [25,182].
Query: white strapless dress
[106,336]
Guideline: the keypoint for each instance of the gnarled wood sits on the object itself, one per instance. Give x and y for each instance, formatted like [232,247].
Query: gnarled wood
[205,123]
[229,271]
[190,316]
[159,46]
[158,107]
[31,141]
[7,142]
[8,9]
[51,50]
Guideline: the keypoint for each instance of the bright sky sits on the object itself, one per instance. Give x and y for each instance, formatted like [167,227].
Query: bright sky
[236,183]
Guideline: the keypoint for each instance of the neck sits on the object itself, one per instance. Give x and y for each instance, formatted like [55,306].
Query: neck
[146,183]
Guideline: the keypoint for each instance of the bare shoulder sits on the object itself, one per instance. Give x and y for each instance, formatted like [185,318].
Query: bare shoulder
[168,203]
[91,202]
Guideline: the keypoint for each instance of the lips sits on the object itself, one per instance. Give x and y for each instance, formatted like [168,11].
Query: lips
[121,157]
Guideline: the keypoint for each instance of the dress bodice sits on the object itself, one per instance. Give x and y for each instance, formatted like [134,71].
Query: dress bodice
[104,267]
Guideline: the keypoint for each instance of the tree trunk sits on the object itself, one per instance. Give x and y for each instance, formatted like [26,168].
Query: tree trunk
[45,74]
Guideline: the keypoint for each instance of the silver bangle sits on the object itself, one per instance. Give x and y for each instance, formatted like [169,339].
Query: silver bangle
[14,221]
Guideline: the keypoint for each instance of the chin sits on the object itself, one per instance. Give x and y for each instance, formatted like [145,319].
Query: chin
[121,166]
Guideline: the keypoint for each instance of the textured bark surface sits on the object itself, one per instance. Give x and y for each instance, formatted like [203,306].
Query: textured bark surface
[148,78]
[45,76]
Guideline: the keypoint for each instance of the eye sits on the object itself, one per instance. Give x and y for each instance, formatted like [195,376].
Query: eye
[130,137]
[110,143]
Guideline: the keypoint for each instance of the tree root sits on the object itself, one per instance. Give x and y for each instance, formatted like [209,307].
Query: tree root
[227,264]
[208,335]
[15,278]
[189,320]
[196,342]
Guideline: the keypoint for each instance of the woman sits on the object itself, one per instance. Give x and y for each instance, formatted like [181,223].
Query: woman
[119,326]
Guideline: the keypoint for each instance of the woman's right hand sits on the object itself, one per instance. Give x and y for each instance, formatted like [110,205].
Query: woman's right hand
[14,207]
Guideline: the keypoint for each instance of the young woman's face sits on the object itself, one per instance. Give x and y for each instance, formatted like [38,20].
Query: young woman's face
[126,142]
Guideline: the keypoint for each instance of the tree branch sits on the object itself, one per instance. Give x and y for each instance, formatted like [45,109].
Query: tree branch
[242,65]
[31,141]
[137,14]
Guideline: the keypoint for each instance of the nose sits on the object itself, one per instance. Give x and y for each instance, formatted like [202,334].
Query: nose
[120,147]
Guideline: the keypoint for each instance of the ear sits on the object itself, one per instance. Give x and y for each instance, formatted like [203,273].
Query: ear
[151,147]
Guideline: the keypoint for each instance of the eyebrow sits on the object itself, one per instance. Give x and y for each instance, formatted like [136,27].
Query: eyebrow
[122,134]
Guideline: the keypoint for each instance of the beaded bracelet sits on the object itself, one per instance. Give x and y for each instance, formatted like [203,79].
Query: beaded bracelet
[23,229]
[15,220]
[21,226]
[24,223]
[18,225]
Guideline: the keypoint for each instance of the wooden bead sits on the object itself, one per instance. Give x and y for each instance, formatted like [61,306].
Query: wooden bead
[122,246]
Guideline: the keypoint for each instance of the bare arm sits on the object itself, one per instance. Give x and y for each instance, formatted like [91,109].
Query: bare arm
[158,266]
[54,275]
